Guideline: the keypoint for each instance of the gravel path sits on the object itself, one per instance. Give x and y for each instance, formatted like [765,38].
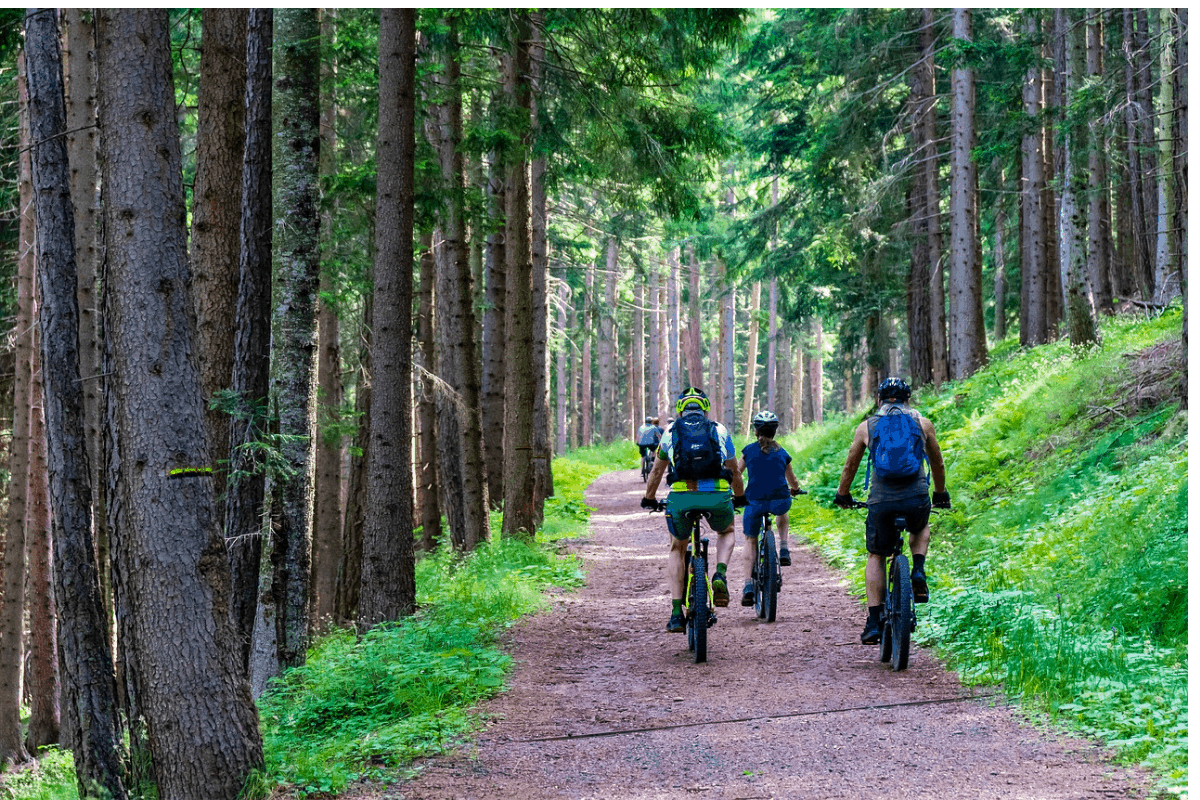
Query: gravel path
[605,704]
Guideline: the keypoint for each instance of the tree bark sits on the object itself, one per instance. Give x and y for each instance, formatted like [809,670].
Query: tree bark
[728,412]
[1179,141]
[814,368]
[1079,303]
[1099,267]
[427,471]
[968,349]
[1000,284]
[673,354]
[750,383]
[586,405]
[493,330]
[640,354]
[1033,188]
[246,484]
[1132,44]
[695,365]
[389,588]
[607,362]
[86,658]
[203,728]
[651,397]
[939,348]
[560,370]
[543,479]
[350,571]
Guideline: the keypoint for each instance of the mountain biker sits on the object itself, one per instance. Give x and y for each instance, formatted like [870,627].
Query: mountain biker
[770,487]
[648,436]
[886,500]
[709,493]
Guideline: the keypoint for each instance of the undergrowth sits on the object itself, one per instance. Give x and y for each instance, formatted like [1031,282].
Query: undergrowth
[1061,573]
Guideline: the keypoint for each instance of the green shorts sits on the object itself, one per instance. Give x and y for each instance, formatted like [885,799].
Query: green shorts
[718,505]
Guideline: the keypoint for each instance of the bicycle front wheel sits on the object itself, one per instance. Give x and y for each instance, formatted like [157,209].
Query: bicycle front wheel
[901,613]
[698,602]
[767,594]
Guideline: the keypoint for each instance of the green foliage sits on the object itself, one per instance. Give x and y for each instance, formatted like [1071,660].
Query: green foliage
[52,777]
[1062,571]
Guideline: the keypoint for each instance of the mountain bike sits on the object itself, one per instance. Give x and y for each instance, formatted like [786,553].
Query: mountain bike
[766,563]
[697,594]
[647,465]
[899,610]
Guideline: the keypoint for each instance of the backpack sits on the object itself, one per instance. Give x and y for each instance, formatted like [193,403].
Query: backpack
[695,449]
[897,448]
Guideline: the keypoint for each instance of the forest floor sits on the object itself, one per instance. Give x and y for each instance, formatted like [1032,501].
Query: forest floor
[604,703]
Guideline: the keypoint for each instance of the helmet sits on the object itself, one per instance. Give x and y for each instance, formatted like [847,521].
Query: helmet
[894,389]
[692,399]
[765,422]
[648,420]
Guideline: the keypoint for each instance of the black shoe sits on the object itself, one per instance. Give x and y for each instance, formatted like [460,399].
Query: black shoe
[785,558]
[871,632]
[720,590]
[919,586]
[676,625]
[748,594]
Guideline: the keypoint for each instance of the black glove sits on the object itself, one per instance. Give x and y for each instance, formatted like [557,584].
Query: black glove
[796,492]
[740,501]
[843,501]
[650,504]
[941,500]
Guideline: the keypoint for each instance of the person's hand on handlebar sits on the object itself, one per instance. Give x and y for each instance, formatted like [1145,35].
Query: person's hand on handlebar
[651,504]
[843,501]
[796,492]
[740,501]
[941,500]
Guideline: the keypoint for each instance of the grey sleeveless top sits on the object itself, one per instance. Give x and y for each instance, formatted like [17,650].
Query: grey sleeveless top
[881,492]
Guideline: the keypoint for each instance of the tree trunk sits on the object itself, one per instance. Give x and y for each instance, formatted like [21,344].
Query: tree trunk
[350,570]
[814,368]
[933,199]
[389,588]
[728,406]
[203,727]
[251,379]
[673,353]
[1000,292]
[784,357]
[427,471]
[585,369]
[968,348]
[919,307]
[1079,303]
[216,205]
[294,338]
[750,383]
[1099,267]
[640,354]
[1138,170]
[493,331]
[695,365]
[1033,190]
[1179,140]
[652,362]
[543,479]
[83,643]
[560,370]
[607,346]
[327,495]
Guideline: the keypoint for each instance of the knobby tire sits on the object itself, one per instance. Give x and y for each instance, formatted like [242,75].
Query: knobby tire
[901,614]
[699,608]
[767,594]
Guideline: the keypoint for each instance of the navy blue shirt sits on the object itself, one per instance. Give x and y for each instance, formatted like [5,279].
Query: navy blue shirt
[766,477]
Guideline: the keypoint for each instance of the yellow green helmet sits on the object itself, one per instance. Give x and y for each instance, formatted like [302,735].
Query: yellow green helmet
[692,398]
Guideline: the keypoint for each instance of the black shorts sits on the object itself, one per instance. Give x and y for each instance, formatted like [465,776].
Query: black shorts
[647,448]
[881,539]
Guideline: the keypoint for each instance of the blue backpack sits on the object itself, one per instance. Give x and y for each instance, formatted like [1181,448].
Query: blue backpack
[897,449]
[695,449]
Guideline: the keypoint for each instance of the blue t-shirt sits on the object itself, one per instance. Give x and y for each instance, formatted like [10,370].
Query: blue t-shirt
[766,477]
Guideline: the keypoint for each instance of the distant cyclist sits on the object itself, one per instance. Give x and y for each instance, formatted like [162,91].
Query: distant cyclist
[898,440]
[648,436]
[770,486]
[703,464]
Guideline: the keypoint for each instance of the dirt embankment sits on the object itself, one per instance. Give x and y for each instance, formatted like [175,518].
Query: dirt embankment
[606,704]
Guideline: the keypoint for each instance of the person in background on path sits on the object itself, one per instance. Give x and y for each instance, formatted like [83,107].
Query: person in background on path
[770,486]
[703,465]
[894,491]
[648,436]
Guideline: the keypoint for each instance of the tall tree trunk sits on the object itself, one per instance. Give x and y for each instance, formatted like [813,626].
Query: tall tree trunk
[785,356]
[695,365]
[1099,268]
[814,367]
[251,379]
[919,307]
[83,643]
[1033,188]
[389,588]
[294,339]
[350,570]
[12,610]
[1000,285]
[585,369]
[1179,141]
[607,346]
[772,344]
[1138,168]
[639,353]
[968,348]
[327,495]
[1079,302]
[216,205]
[1052,160]
[652,396]
[750,383]
[543,479]
[933,198]
[1166,273]
[427,471]
[493,329]
[728,413]
[673,353]
[560,370]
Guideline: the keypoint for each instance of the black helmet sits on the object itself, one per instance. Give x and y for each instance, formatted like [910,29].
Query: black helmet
[765,422]
[649,420]
[894,389]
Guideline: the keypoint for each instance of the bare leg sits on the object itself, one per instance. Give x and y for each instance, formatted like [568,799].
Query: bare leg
[675,567]
[874,577]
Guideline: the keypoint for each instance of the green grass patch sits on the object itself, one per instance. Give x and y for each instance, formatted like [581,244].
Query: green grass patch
[1062,571]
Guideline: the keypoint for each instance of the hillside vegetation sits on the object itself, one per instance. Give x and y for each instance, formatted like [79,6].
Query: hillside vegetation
[1061,572]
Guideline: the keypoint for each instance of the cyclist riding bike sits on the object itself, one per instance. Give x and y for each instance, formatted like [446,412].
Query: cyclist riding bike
[898,440]
[648,436]
[702,464]
[770,487]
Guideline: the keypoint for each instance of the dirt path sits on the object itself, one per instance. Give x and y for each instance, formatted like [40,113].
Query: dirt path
[605,704]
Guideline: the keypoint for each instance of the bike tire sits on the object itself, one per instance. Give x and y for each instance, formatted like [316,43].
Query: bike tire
[769,585]
[901,615]
[885,633]
[699,609]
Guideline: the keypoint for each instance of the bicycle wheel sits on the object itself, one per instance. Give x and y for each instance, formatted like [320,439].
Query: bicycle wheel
[699,608]
[885,634]
[645,470]
[901,614]
[767,593]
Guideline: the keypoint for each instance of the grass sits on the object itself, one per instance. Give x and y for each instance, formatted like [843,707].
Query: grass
[1061,574]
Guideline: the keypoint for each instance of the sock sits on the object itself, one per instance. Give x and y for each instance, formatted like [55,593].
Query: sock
[721,568]
[875,612]
[919,561]
[677,606]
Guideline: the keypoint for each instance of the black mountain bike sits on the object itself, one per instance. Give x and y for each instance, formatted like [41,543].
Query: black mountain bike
[697,594]
[899,610]
[647,465]
[766,564]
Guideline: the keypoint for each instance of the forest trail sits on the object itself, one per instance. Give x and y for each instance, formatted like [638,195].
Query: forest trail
[605,704]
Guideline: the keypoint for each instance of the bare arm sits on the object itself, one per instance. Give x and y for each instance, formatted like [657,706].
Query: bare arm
[934,452]
[854,458]
[655,476]
[791,477]
[735,477]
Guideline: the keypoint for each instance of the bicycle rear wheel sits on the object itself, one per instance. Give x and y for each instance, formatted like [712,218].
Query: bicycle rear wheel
[900,613]
[698,606]
[766,595]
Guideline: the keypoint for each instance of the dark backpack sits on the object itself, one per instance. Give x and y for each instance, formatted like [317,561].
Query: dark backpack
[695,449]
[897,448]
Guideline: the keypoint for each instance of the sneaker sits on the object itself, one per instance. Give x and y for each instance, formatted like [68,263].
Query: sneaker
[676,625]
[785,558]
[748,594]
[720,590]
[871,632]
[919,586]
